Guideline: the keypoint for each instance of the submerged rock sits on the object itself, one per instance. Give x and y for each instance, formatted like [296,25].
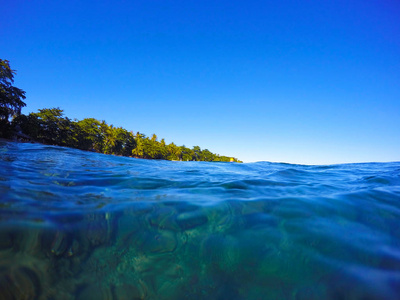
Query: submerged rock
[98,228]
[59,244]
[19,283]
[132,290]
[156,242]
[94,292]
[190,220]
[6,239]
[163,218]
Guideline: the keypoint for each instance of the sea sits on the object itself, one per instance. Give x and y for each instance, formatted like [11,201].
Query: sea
[83,225]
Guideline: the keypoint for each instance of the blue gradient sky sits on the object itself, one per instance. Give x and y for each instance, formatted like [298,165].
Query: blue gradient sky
[314,82]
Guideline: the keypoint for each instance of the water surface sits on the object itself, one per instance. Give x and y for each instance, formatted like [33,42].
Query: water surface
[81,225]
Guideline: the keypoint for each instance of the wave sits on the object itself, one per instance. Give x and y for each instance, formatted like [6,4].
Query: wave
[115,226]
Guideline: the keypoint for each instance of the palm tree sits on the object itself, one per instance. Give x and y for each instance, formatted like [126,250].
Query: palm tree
[110,137]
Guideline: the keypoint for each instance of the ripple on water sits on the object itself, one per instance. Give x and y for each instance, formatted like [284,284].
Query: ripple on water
[80,225]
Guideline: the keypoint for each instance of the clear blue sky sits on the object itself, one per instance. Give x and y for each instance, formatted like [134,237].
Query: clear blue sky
[314,82]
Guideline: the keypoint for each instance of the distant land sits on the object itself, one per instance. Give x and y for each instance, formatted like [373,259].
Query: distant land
[50,126]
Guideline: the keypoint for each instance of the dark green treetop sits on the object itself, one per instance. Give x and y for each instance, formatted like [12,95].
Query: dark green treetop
[50,126]
[10,96]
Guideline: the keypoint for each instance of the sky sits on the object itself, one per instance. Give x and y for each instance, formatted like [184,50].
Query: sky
[308,82]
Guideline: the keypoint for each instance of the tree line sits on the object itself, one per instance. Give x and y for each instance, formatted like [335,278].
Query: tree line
[50,126]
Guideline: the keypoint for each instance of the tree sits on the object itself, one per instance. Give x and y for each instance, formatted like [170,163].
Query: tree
[197,153]
[138,151]
[10,96]
[109,136]
[50,126]
[30,125]
[89,135]
[186,153]
[207,155]
[54,128]
[174,152]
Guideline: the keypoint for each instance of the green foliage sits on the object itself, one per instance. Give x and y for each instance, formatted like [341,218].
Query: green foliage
[10,97]
[51,127]
[187,154]
[89,135]
[54,128]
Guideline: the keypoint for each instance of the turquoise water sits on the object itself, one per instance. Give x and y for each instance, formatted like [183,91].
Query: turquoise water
[81,225]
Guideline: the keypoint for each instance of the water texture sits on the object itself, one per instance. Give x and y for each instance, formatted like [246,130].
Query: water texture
[81,225]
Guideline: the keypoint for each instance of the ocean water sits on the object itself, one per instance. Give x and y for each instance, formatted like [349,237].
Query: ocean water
[81,225]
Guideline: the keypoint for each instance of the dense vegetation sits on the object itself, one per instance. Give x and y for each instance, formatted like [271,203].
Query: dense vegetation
[50,126]
[10,97]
